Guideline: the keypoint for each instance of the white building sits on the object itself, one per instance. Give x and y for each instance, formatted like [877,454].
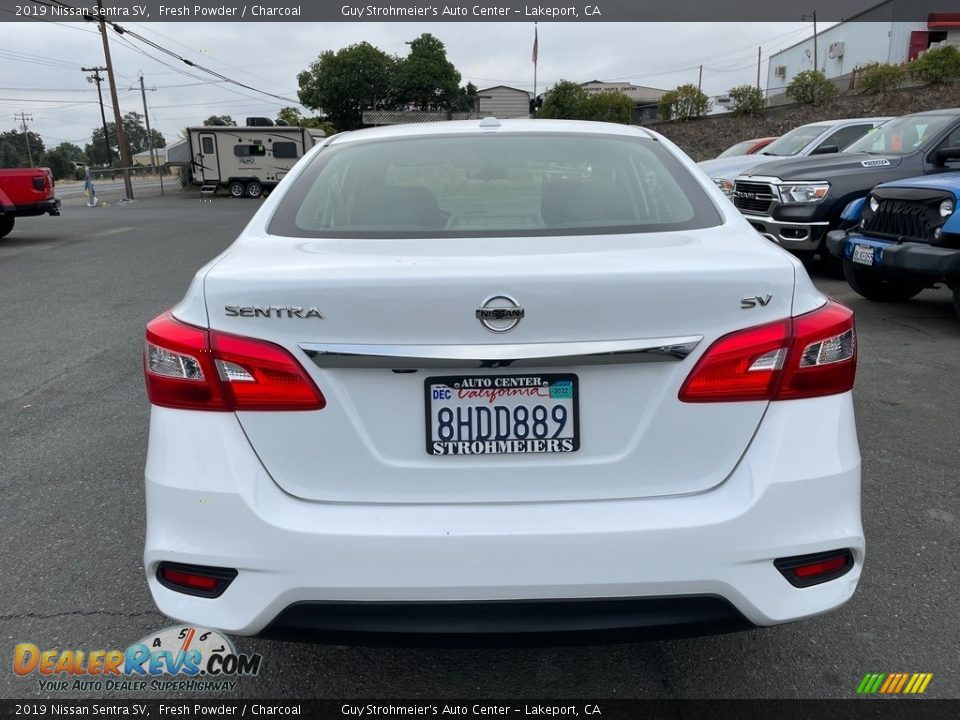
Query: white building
[873,36]
[502,101]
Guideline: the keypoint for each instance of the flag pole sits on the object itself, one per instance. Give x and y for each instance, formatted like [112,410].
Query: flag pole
[535,54]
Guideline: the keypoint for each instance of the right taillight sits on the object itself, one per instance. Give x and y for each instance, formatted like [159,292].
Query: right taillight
[802,357]
[193,368]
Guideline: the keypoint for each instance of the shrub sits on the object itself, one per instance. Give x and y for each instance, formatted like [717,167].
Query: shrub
[940,65]
[747,100]
[881,77]
[811,87]
[608,106]
[684,102]
[563,101]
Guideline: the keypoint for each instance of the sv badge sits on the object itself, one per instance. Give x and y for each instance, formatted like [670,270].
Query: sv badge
[748,303]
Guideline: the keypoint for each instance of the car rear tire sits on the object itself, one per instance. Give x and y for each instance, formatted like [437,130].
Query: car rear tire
[254,189]
[237,189]
[878,289]
[6,224]
[956,299]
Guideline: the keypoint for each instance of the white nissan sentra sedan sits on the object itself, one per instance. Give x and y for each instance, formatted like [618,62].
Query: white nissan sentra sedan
[500,378]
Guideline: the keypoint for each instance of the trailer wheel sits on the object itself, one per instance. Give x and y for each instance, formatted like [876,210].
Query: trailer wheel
[6,225]
[254,189]
[237,189]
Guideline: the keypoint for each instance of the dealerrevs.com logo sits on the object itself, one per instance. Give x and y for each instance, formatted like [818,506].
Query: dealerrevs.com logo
[177,658]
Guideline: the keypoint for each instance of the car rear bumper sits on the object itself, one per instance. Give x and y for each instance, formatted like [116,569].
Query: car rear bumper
[331,568]
[907,258]
[795,236]
[42,207]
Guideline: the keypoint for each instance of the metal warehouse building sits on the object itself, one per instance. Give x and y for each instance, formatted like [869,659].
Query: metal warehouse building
[878,35]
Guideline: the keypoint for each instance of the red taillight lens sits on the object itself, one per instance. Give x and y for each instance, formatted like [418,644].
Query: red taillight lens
[806,356]
[197,580]
[192,368]
[807,570]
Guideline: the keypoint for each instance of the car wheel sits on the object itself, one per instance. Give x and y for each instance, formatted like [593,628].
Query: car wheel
[956,299]
[6,225]
[237,189]
[874,288]
[254,189]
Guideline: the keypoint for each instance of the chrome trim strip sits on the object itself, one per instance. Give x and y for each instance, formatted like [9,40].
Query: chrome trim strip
[782,223]
[414,357]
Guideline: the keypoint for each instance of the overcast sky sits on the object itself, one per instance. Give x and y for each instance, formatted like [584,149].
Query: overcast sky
[40,62]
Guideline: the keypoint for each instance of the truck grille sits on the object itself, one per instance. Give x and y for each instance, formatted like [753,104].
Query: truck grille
[905,216]
[754,198]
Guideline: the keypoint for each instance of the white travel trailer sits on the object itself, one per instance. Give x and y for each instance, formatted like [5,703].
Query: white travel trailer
[247,161]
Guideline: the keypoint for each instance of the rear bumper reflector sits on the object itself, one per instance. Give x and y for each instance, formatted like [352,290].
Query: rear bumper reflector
[198,580]
[806,570]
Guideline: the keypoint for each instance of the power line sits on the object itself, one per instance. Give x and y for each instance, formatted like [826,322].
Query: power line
[147,41]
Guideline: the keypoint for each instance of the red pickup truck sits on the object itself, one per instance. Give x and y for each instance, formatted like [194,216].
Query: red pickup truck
[25,192]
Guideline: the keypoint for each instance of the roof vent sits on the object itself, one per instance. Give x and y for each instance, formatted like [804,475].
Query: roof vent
[490,122]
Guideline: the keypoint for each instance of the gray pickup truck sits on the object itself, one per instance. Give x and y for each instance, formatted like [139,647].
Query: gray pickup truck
[797,202]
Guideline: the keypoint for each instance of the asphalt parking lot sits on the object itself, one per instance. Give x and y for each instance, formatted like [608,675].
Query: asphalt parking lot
[75,292]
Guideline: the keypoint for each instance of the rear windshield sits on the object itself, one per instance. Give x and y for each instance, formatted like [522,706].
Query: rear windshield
[738,149]
[795,140]
[493,185]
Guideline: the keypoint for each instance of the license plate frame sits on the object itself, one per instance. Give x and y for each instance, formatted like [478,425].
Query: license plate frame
[864,254]
[550,381]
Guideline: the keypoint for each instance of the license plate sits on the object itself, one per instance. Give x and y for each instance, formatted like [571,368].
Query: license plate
[502,414]
[863,254]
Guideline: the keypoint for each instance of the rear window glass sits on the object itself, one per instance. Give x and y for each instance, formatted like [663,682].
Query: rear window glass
[794,141]
[493,185]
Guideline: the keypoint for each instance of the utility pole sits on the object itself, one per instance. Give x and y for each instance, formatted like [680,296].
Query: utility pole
[146,119]
[121,135]
[97,78]
[816,59]
[759,53]
[26,137]
[700,79]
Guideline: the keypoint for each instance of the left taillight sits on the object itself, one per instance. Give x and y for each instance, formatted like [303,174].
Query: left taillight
[193,368]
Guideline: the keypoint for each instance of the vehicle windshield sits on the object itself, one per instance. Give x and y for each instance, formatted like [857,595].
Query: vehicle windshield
[901,135]
[794,141]
[493,185]
[738,149]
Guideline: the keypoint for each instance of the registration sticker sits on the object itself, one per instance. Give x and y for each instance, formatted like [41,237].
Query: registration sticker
[502,414]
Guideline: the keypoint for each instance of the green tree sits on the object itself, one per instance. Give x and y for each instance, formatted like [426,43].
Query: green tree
[425,78]
[137,139]
[219,120]
[747,100]
[811,87]
[684,102]
[60,165]
[465,100]
[614,107]
[940,65]
[563,101]
[345,83]
[13,149]
[73,153]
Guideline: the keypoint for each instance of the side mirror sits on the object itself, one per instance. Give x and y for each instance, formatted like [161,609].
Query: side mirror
[826,150]
[944,155]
